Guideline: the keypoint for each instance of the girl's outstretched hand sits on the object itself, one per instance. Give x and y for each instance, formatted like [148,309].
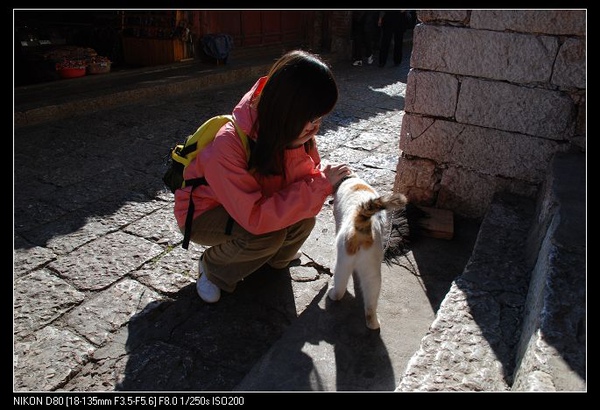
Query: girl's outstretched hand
[335,173]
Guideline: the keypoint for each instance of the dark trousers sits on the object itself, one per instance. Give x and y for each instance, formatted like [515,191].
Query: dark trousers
[362,40]
[391,28]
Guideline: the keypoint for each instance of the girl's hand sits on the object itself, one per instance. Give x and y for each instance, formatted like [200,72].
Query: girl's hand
[334,173]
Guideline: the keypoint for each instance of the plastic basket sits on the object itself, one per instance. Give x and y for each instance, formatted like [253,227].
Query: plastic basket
[71,72]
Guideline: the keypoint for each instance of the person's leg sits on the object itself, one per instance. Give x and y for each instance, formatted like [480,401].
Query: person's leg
[386,39]
[398,43]
[294,239]
[368,44]
[357,46]
[232,256]
[356,53]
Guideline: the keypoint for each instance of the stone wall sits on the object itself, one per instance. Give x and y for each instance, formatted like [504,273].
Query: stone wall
[492,96]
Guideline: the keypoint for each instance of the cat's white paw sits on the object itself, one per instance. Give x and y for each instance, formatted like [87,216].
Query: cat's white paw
[373,322]
[333,295]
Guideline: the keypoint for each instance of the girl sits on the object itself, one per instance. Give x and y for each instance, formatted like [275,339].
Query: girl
[260,210]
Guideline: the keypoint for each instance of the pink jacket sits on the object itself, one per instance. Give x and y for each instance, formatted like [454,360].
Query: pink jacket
[258,204]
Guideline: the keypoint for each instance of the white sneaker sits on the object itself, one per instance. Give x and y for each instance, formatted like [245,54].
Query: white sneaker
[357,63]
[370,59]
[208,291]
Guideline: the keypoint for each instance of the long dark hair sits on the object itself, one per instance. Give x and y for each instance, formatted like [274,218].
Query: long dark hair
[300,88]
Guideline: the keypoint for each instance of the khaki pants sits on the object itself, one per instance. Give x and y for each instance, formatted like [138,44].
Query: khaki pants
[233,255]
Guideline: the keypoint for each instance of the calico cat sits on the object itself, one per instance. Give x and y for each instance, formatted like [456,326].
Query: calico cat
[360,219]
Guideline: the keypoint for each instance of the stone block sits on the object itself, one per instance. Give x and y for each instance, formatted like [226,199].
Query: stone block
[532,111]
[513,57]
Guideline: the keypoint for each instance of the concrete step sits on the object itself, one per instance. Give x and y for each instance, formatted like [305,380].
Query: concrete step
[515,319]
[552,352]
[470,344]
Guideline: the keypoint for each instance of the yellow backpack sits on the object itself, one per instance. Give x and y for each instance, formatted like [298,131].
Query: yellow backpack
[182,154]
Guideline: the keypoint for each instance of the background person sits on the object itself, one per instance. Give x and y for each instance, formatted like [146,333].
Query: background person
[393,24]
[364,25]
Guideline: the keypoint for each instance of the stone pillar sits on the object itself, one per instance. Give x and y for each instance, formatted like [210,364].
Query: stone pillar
[492,95]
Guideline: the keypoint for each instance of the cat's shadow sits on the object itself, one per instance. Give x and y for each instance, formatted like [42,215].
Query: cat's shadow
[362,359]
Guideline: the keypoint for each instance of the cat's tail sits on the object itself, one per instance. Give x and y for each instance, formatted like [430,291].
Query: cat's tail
[387,202]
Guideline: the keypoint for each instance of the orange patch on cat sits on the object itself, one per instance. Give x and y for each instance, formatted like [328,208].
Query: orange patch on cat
[356,241]
[362,187]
